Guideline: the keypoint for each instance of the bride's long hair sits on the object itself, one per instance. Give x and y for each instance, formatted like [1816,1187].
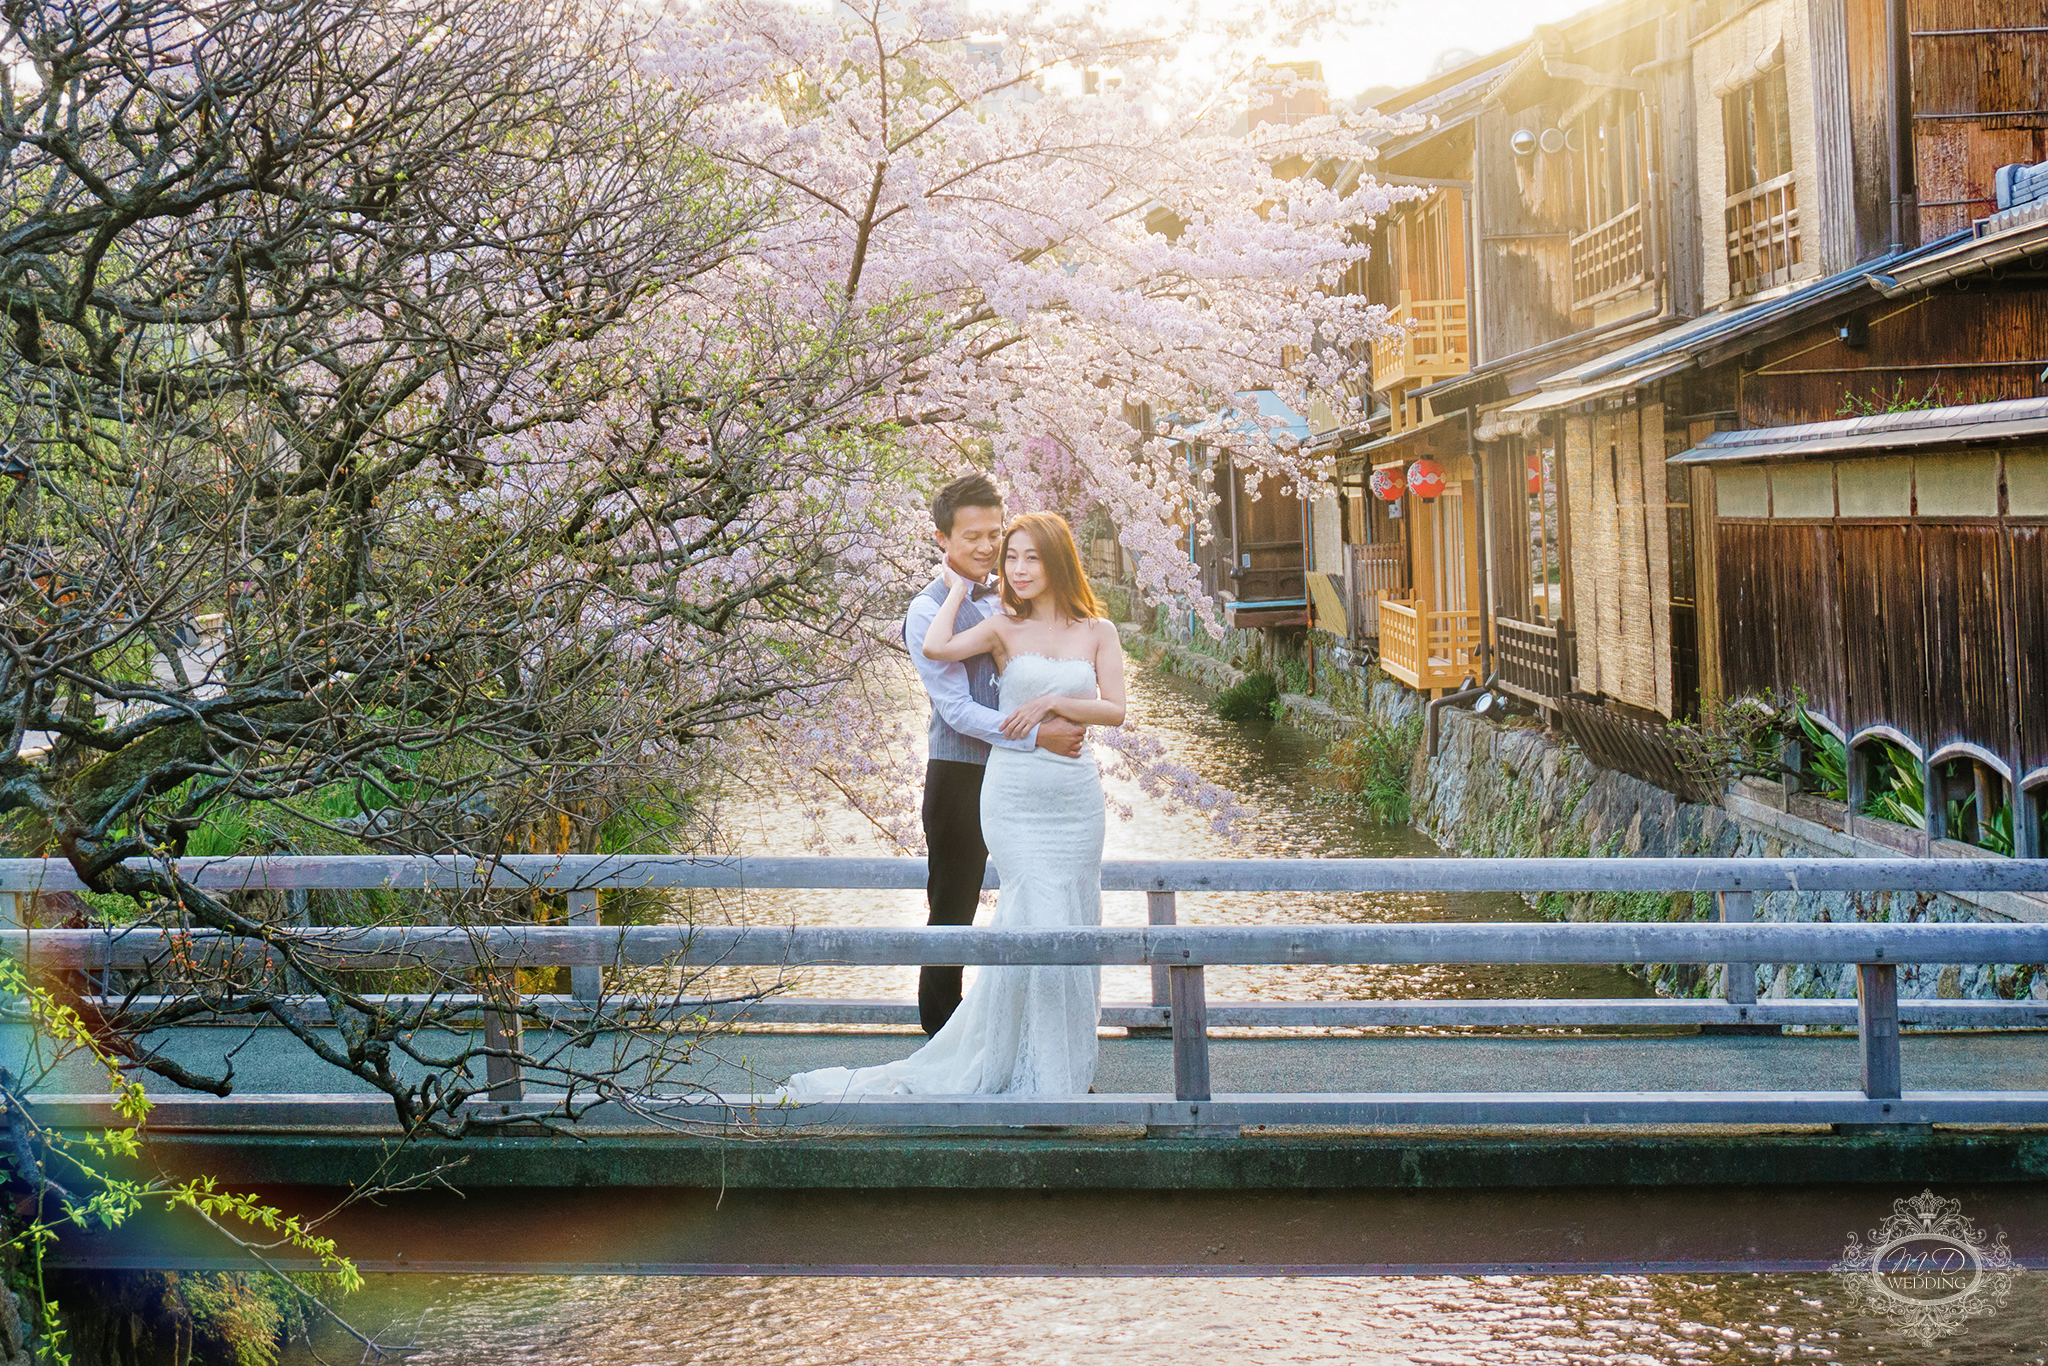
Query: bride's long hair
[1064,578]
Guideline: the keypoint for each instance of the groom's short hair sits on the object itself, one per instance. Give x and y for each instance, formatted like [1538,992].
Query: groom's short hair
[968,491]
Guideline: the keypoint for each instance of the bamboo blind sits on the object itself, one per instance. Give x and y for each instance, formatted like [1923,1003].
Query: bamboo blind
[1621,540]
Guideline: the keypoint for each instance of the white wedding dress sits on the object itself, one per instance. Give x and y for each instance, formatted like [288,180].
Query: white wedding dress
[1019,1030]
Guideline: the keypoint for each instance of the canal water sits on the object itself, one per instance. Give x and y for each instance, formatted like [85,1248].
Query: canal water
[1297,814]
[1524,1320]
[1666,1320]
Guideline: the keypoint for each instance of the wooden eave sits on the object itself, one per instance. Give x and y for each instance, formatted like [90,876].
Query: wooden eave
[1517,377]
[1594,35]
[1444,155]
[1436,85]
[1820,311]
[1604,23]
[1526,86]
[1611,49]
[1433,438]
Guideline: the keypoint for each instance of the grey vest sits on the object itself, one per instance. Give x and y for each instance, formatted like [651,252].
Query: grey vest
[944,741]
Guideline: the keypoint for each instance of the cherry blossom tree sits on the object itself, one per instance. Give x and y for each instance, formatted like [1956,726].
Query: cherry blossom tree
[405,452]
[1086,250]
[441,421]
[1090,254]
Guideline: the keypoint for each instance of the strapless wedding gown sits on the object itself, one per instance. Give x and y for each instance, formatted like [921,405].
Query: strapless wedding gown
[1019,1030]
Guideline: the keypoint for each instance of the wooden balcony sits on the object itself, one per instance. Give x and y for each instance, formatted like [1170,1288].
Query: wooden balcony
[1435,346]
[1429,651]
[1610,258]
[1377,571]
[1763,236]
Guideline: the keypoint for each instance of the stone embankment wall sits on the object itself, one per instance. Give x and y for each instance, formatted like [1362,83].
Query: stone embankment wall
[1512,788]
[1506,789]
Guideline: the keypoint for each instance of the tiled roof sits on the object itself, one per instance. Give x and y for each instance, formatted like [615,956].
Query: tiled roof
[1959,425]
[1714,329]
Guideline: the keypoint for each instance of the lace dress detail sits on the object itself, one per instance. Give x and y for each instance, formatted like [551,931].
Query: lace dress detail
[1019,1030]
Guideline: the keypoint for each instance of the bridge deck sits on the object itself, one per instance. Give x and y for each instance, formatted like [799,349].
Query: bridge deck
[270,1061]
[1112,1202]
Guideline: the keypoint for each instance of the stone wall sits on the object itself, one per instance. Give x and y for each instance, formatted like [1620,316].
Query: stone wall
[1511,788]
[1499,790]
[16,1338]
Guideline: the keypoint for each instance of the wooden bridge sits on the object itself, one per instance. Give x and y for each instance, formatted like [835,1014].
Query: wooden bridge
[1304,1152]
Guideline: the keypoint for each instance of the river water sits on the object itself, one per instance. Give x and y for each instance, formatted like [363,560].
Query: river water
[1427,1320]
[1525,1320]
[1274,768]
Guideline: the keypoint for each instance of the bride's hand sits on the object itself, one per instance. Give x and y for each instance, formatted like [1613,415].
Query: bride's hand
[1018,723]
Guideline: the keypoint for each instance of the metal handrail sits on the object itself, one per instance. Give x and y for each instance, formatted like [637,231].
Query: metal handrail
[579,872]
[1179,954]
[1436,942]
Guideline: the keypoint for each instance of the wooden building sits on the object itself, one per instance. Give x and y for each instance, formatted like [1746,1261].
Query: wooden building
[1738,247]
[1257,560]
[1877,538]
[1260,548]
[1891,573]
[1413,571]
[1668,250]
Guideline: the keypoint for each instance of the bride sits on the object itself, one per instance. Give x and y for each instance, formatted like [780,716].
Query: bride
[1024,1030]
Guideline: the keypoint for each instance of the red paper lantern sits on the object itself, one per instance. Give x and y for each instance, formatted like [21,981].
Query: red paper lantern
[1426,479]
[1388,485]
[1535,475]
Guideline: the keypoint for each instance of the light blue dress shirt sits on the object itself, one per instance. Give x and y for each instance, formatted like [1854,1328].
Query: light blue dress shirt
[946,683]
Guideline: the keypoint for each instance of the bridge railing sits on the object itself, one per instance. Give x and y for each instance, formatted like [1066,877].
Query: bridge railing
[1178,956]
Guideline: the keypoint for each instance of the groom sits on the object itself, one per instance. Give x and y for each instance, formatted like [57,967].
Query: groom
[968,516]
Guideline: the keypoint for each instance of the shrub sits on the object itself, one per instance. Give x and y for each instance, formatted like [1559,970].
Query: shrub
[1255,697]
[1117,600]
[1827,759]
[1994,834]
[1371,766]
[1898,790]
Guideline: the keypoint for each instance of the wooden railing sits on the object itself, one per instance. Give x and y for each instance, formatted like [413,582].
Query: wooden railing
[1763,236]
[1376,570]
[1610,258]
[1177,955]
[1434,344]
[1400,629]
[1535,662]
[1428,650]
[1628,744]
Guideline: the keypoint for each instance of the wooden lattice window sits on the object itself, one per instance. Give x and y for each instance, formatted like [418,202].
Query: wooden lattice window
[1611,145]
[1610,253]
[1762,207]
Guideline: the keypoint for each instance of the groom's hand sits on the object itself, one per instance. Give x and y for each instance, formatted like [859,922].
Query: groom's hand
[1061,736]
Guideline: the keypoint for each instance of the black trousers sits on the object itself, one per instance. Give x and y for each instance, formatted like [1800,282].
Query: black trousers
[952,889]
